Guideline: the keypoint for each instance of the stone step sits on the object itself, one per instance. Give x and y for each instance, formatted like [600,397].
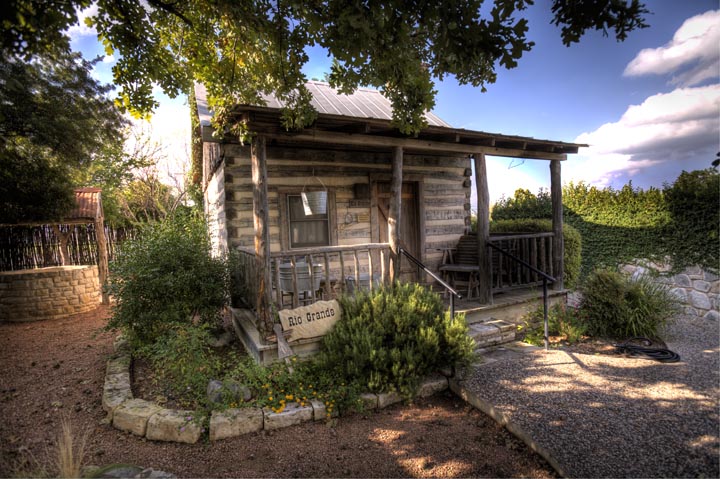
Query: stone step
[491,333]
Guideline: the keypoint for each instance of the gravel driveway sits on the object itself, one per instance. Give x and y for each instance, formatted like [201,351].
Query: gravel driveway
[608,416]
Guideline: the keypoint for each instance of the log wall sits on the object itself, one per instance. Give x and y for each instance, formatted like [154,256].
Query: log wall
[445,188]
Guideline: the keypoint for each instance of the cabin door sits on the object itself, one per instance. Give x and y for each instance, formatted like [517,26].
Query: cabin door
[409,224]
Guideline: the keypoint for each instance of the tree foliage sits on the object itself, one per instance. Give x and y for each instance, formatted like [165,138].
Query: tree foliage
[241,49]
[54,120]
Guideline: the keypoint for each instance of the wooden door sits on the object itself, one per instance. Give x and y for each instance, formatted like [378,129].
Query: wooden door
[409,229]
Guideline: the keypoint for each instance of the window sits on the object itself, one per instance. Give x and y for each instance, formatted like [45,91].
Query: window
[306,230]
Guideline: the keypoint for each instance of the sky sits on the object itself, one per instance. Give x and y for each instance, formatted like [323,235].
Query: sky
[649,107]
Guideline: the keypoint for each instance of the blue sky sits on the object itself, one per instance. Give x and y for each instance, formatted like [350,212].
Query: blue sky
[649,107]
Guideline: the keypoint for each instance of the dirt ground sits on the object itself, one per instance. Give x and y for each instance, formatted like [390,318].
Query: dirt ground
[54,369]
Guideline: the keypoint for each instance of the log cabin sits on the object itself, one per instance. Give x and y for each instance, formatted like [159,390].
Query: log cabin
[350,202]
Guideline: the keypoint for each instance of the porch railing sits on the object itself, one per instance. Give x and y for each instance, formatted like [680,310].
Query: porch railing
[335,269]
[533,249]
[545,279]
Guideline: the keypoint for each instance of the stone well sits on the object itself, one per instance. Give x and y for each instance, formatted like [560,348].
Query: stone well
[48,293]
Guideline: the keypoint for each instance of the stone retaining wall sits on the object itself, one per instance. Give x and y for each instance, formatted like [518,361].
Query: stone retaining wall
[697,291]
[48,293]
[147,419]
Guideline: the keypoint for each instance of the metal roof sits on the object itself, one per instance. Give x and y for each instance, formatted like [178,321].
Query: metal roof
[363,103]
[87,204]
[368,114]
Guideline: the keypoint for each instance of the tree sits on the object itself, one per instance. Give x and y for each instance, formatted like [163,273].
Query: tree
[240,49]
[54,120]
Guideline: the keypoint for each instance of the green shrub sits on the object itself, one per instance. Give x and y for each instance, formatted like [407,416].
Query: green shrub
[184,361]
[166,276]
[571,237]
[618,306]
[278,384]
[563,320]
[391,338]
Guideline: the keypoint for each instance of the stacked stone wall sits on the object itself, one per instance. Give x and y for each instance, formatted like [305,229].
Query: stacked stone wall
[48,293]
[698,291]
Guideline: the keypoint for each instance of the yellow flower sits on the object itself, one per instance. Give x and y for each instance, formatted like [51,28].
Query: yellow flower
[289,397]
[270,398]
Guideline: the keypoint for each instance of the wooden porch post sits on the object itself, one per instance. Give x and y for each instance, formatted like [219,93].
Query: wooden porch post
[262,233]
[102,256]
[557,224]
[483,227]
[394,213]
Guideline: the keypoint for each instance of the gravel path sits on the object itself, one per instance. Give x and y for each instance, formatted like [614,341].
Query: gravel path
[607,416]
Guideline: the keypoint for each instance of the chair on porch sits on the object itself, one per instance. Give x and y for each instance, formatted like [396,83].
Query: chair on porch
[461,268]
[305,286]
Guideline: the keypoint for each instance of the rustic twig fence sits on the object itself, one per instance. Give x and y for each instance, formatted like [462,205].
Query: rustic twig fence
[29,247]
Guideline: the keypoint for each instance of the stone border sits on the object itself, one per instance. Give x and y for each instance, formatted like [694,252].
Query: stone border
[147,419]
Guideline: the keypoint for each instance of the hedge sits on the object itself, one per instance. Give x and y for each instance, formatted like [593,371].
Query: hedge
[679,222]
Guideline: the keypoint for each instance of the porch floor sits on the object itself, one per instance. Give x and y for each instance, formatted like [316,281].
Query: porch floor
[509,306]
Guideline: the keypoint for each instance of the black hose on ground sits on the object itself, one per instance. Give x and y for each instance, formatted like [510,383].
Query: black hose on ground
[662,355]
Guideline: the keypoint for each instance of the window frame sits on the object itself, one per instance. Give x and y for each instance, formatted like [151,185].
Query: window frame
[284,221]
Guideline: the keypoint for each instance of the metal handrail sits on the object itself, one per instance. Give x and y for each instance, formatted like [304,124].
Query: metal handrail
[453,294]
[545,277]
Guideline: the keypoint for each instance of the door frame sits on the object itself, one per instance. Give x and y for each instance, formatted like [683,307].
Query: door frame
[419,181]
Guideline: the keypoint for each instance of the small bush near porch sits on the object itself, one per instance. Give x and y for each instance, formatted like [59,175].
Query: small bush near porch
[391,338]
[613,306]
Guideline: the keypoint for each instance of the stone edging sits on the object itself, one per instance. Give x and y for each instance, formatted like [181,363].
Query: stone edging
[147,419]
[474,400]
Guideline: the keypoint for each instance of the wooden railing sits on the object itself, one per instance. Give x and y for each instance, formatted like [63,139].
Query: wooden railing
[336,269]
[243,281]
[535,249]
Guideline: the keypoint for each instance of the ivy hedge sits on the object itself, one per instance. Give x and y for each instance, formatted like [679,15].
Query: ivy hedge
[679,221]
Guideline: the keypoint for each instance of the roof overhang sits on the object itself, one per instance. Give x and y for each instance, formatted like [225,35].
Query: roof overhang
[377,133]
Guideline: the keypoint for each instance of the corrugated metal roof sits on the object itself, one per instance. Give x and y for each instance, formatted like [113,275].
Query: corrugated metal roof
[87,204]
[363,103]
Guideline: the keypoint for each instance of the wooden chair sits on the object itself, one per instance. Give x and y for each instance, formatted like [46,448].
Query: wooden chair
[464,272]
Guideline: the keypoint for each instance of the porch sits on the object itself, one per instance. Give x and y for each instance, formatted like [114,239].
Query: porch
[303,276]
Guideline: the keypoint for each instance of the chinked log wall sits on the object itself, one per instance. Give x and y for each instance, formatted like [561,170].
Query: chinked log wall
[445,192]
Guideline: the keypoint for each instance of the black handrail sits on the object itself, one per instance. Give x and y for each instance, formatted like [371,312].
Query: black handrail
[545,277]
[453,294]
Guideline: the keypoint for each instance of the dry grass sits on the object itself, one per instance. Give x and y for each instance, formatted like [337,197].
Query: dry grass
[69,452]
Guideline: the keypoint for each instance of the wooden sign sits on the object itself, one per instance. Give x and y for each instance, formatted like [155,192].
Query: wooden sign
[310,321]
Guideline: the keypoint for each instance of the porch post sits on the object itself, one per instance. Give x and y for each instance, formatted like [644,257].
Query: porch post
[394,213]
[483,227]
[262,233]
[557,224]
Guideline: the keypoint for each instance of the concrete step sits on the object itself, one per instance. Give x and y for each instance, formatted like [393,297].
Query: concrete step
[492,333]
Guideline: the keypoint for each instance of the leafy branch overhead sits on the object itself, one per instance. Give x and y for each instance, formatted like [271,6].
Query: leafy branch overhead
[241,49]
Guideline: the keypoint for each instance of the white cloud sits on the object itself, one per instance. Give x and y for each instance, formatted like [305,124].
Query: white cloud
[693,53]
[81,29]
[678,129]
